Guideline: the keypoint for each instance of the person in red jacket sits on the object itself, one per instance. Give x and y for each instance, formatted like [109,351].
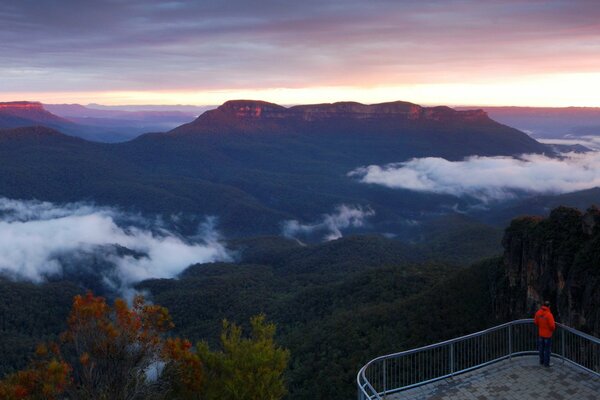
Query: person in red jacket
[544,320]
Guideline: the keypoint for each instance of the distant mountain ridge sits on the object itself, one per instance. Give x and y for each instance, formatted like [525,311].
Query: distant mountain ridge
[92,124]
[353,110]
[79,111]
[243,115]
[549,122]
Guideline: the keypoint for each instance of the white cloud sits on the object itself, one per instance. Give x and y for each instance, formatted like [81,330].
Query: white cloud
[35,236]
[488,178]
[331,224]
[589,141]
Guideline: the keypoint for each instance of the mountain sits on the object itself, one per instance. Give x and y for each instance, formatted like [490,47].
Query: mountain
[26,114]
[407,127]
[115,125]
[79,111]
[19,114]
[104,125]
[557,259]
[184,108]
[255,165]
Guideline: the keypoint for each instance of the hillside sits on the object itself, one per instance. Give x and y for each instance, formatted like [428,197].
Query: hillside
[341,303]
[335,303]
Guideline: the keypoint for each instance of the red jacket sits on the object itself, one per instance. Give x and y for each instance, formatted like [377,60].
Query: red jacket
[544,320]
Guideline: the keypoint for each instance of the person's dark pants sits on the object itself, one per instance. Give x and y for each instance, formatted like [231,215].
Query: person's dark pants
[545,348]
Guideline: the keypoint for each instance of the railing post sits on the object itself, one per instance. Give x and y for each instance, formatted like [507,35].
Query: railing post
[562,339]
[385,376]
[510,349]
[452,359]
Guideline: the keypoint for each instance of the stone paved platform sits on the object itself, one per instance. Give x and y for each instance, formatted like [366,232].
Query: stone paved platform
[521,378]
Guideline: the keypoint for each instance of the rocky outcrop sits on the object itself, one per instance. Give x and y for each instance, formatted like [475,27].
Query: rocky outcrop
[252,109]
[555,259]
[18,114]
[247,116]
[21,105]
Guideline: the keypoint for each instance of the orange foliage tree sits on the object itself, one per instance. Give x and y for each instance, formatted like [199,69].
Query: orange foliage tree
[113,353]
[121,352]
[124,353]
[46,378]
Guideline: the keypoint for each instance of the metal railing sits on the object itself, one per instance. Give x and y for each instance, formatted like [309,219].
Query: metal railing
[408,369]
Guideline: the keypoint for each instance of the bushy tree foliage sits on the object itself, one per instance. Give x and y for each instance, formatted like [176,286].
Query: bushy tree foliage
[123,353]
[183,370]
[46,378]
[116,348]
[245,368]
[113,353]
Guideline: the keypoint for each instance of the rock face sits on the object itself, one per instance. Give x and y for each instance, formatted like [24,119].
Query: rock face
[247,116]
[555,259]
[21,105]
[18,114]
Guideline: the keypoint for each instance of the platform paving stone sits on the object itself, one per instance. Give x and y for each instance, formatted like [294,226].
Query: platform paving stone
[521,378]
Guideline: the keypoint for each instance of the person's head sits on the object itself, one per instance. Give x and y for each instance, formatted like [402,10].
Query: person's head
[547,303]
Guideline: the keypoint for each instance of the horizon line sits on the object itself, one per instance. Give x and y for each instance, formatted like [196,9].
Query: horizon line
[425,104]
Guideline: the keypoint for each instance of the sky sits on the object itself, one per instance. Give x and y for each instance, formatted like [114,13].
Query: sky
[455,52]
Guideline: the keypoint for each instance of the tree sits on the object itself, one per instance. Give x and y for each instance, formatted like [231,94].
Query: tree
[121,352]
[111,353]
[183,369]
[45,379]
[245,368]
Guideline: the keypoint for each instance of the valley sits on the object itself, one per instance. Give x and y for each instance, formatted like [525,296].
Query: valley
[268,197]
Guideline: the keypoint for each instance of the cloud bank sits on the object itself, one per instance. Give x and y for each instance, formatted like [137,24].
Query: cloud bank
[488,178]
[36,239]
[590,141]
[330,224]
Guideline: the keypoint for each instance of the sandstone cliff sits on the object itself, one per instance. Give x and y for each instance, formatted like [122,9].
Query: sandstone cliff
[250,116]
[556,258]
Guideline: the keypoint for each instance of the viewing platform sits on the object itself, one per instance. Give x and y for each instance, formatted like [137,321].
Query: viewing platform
[520,378]
[498,363]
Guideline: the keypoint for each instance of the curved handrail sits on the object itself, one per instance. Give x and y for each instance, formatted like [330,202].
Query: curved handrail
[455,356]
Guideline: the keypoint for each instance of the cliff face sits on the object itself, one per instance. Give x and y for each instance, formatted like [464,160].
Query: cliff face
[250,116]
[18,114]
[21,105]
[250,109]
[558,259]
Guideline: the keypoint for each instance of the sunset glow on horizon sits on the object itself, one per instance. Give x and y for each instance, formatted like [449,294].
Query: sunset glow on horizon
[519,53]
[573,90]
